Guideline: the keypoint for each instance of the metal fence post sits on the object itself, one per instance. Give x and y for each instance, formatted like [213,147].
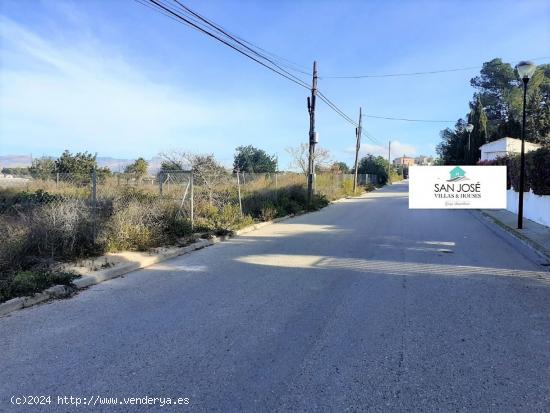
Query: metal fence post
[57,179]
[192,202]
[94,205]
[239,190]
[161,182]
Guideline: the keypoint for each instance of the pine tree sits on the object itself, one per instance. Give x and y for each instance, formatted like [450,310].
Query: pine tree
[478,118]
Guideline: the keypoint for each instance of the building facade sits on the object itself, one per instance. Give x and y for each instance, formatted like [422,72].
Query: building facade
[403,160]
[503,147]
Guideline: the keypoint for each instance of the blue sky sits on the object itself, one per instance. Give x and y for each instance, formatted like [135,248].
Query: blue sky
[119,79]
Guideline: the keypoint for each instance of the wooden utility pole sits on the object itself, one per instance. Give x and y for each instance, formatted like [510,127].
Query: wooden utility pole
[389,162]
[312,140]
[357,147]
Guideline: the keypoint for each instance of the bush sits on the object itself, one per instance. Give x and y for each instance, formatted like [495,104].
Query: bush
[537,170]
[269,212]
[319,201]
[395,177]
[31,282]
[369,187]
[59,230]
[347,186]
[11,246]
[140,224]
[54,221]
[223,220]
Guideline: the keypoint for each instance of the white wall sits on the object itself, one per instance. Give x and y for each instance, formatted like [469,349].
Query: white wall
[505,146]
[535,207]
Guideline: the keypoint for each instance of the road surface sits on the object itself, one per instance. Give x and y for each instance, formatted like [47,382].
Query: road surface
[362,306]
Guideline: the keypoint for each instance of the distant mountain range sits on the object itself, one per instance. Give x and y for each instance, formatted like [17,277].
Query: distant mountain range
[114,164]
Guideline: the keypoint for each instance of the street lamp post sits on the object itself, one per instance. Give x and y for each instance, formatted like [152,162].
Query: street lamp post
[525,70]
[469,129]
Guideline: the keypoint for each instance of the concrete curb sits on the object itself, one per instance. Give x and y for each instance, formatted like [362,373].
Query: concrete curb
[97,277]
[533,245]
[58,291]
[100,276]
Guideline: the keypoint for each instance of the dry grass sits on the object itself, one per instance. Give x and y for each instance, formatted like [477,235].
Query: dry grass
[48,221]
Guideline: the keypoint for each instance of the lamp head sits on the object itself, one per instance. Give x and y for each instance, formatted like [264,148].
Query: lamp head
[469,127]
[526,69]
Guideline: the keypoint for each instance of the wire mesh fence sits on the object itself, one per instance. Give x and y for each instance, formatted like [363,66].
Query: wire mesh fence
[66,215]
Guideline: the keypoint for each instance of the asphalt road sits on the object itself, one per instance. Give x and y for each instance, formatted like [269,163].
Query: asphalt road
[363,306]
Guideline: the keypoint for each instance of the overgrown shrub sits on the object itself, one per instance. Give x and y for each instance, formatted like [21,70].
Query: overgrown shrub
[537,170]
[55,220]
[139,224]
[59,230]
[31,282]
[347,186]
[223,220]
[11,245]
[369,187]
[269,212]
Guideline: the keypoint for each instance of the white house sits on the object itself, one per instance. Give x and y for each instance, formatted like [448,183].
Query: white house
[503,147]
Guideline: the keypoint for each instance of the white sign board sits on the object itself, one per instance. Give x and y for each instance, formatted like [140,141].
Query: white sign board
[457,187]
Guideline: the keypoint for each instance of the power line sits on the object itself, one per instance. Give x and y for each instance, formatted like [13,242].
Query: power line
[193,23]
[410,120]
[289,63]
[429,72]
[240,46]
[197,27]
[336,108]
[401,74]
[340,112]
[234,38]
[348,119]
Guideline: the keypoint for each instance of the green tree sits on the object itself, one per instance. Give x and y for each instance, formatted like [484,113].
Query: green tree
[452,150]
[138,168]
[500,91]
[42,168]
[168,166]
[496,112]
[340,167]
[538,107]
[16,171]
[79,166]
[376,165]
[251,159]
[478,118]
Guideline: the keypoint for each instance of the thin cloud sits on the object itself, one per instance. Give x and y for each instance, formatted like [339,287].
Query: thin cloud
[84,98]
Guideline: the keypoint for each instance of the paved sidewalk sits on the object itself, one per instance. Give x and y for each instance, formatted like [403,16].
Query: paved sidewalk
[534,234]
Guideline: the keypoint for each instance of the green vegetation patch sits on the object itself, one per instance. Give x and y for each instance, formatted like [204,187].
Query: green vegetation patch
[24,283]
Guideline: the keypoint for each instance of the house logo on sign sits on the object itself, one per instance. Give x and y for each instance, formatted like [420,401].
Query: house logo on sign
[457,174]
[457,187]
